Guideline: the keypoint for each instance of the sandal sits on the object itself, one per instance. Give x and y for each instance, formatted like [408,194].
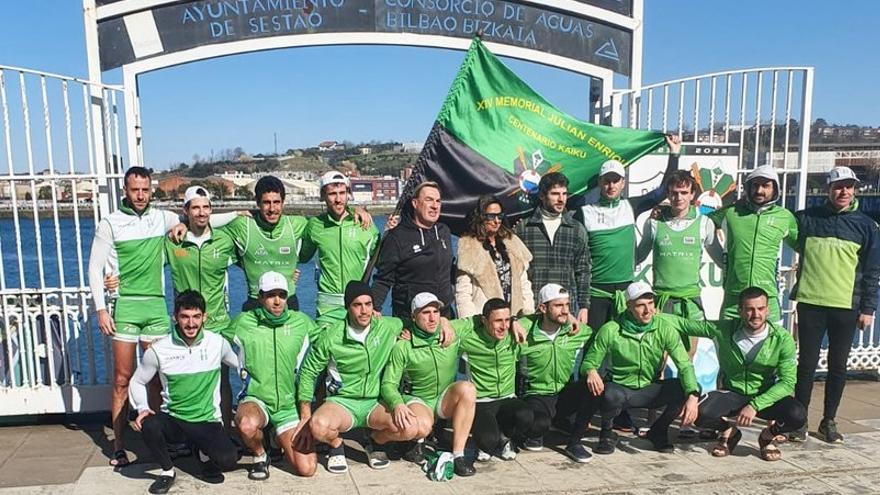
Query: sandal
[725,446]
[120,459]
[769,451]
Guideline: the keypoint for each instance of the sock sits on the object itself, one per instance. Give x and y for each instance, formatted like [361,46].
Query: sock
[457,453]
[169,472]
[203,457]
[261,458]
[337,450]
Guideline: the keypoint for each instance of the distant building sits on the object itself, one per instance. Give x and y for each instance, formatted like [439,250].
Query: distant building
[330,146]
[365,150]
[375,189]
[413,148]
[239,179]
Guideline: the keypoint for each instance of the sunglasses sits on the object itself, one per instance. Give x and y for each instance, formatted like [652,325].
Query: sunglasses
[493,216]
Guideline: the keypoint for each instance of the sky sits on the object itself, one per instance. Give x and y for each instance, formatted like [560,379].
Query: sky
[359,93]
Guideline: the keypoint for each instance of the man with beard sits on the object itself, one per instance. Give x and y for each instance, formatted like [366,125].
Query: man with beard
[757,361]
[753,230]
[188,361]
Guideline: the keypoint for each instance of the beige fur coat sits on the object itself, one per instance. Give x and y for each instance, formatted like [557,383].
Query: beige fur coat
[477,281]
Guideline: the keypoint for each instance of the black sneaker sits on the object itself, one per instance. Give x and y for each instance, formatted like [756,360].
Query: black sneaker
[660,441]
[828,431]
[606,445]
[259,471]
[463,467]
[533,444]
[799,436]
[163,484]
[578,453]
[416,454]
[211,473]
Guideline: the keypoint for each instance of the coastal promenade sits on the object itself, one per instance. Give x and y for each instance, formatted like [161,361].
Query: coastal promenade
[72,459]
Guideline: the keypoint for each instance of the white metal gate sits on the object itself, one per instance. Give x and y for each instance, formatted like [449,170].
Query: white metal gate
[62,147]
[766,112]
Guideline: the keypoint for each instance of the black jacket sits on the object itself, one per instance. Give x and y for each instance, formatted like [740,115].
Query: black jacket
[413,260]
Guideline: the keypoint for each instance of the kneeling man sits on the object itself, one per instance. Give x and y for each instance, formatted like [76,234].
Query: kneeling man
[188,363]
[270,337]
[354,352]
[431,369]
[758,364]
[637,342]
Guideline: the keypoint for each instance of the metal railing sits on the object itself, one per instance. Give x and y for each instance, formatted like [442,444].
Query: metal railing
[767,113]
[60,161]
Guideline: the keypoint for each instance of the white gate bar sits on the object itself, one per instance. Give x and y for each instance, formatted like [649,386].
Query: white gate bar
[47,320]
[712,112]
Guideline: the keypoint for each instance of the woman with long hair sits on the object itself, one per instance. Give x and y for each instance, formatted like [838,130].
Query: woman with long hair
[492,262]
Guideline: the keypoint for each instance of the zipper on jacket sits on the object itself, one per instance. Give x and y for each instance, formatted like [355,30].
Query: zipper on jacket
[369,367]
[275,363]
[754,243]
[436,373]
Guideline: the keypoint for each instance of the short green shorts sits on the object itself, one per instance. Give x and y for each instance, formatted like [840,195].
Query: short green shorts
[730,308]
[358,409]
[283,419]
[435,404]
[140,318]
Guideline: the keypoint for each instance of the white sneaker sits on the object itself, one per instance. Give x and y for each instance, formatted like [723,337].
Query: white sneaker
[483,456]
[507,452]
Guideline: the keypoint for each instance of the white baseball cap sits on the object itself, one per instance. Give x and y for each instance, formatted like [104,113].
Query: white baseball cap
[193,192]
[550,292]
[841,173]
[637,290]
[270,281]
[333,177]
[423,299]
[612,167]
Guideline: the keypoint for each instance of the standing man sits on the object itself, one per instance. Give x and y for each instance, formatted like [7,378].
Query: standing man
[270,337]
[269,241]
[550,354]
[188,362]
[757,360]
[129,244]
[344,247]
[610,223]
[431,369]
[637,342]
[558,243]
[416,256]
[355,352]
[836,290]
[677,238]
[753,230]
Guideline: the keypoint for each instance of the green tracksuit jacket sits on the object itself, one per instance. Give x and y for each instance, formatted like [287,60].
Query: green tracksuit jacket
[430,367]
[269,353]
[550,363]
[357,366]
[771,376]
[635,362]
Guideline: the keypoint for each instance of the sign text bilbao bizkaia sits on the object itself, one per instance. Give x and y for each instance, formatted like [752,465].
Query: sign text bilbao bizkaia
[186,25]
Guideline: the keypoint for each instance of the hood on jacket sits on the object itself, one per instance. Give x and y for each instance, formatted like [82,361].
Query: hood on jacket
[765,172]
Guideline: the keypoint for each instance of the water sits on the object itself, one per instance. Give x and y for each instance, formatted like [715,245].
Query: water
[72,271]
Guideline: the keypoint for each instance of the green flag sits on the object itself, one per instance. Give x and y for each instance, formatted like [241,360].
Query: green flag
[497,136]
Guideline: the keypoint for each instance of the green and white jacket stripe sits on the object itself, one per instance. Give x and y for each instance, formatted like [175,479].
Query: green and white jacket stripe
[130,246]
[190,376]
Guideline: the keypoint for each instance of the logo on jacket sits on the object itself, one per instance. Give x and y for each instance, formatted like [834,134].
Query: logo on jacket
[261,251]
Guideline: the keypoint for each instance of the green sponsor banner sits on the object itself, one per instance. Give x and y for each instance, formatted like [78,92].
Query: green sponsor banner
[501,118]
